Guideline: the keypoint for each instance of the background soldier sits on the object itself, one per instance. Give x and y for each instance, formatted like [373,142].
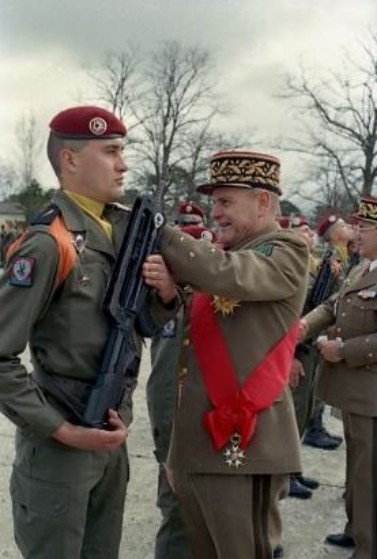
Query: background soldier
[305,362]
[348,381]
[162,397]
[336,233]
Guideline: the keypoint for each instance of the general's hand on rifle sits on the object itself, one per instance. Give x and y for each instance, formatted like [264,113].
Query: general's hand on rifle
[86,438]
[157,275]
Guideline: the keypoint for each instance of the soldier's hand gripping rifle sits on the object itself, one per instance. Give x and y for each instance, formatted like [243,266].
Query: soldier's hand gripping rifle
[324,282]
[124,301]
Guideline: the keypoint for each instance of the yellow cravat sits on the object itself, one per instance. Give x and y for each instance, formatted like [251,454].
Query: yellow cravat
[94,209]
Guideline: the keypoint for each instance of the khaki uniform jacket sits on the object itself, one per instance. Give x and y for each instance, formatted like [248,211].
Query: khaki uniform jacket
[66,326]
[351,384]
[268,276]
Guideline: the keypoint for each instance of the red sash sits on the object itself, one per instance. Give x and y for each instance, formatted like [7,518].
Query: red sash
[235,409]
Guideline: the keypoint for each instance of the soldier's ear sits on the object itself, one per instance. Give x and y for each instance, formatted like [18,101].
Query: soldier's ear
[68,160]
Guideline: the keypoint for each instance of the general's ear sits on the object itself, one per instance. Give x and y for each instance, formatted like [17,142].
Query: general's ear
[264,202]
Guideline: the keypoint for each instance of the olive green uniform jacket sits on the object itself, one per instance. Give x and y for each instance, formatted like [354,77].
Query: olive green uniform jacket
[351,384]
[268,276]
[65,326]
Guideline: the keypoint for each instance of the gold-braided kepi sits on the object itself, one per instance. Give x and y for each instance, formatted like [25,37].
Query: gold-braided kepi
[243,169]
[367,210]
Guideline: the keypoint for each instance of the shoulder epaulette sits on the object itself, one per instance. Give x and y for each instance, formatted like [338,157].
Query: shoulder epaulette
[46,216]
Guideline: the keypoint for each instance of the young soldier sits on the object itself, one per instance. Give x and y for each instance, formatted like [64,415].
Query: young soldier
[336,233]
[68,482]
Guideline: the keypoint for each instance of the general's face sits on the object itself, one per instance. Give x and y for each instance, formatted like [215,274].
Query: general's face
[100,169]
[366,237]
[235,212]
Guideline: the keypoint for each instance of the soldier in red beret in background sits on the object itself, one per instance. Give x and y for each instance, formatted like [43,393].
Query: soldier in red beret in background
[68,483]
[336,233]
[305,361]
[162,397]
[189,213]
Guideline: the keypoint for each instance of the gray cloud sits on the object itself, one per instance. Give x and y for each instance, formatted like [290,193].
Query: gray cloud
[43,45]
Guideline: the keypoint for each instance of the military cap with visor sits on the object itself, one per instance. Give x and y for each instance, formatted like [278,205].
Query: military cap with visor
[243,169]
[367,210]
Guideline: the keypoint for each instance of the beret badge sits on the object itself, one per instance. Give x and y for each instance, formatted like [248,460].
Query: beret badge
[98,126]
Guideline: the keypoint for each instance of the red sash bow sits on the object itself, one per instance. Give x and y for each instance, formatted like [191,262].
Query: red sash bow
[235,409]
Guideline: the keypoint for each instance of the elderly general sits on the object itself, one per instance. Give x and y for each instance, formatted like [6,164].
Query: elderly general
[235,437]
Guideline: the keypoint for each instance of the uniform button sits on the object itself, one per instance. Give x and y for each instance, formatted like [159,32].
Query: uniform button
[348,300]
[338,329]
[370,355]
[366,340]
[191,254]
[184,371]
[343,314]
[186,342]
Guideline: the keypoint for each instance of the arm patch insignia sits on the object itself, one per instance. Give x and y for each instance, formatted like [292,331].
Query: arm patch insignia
[22,272]
[264,249]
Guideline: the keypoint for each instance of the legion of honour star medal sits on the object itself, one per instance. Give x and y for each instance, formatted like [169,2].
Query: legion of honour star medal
[234,456]
[224,305]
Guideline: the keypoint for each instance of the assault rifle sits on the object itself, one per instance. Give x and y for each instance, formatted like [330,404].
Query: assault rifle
[324,281]
[124,301]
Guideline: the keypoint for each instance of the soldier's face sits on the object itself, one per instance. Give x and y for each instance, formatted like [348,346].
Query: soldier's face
[99,169]
[236,212]
[308,234]
[342,231]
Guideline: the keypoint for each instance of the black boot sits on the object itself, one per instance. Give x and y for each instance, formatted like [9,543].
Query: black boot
[316,434]
[278,552]
[308,482]
[298,491]
[340,540]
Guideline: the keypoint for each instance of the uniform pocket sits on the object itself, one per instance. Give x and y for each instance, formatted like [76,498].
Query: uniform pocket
[33,496]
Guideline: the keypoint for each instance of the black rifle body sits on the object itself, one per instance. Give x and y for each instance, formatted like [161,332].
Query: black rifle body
[324,282]
[123,303]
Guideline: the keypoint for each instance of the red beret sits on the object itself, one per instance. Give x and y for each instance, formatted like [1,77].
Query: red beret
[190,208]
[284,221]
[87,123]
[199,232]
[327,222]
[189,212]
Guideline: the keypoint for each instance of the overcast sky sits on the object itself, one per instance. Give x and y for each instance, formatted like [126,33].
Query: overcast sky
[45,43]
